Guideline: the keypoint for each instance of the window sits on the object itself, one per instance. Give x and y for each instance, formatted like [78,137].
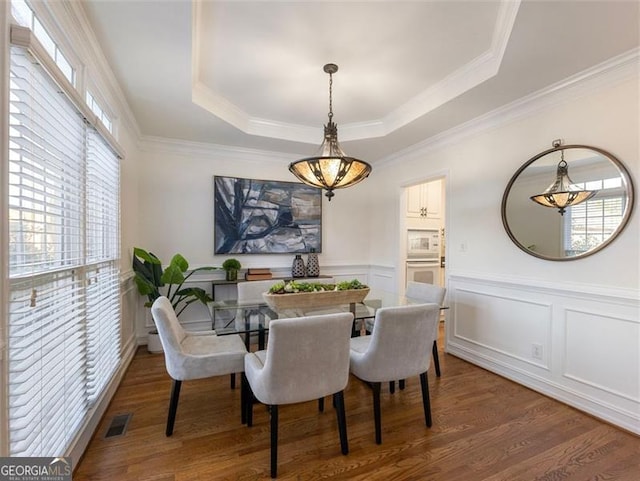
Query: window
[64,309]
[589,224]
[25,16]
[99,111]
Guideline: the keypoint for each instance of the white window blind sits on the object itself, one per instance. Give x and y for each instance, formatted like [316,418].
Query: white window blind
[46,172]
[64,309]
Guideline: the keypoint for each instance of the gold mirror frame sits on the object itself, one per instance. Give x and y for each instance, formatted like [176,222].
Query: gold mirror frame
[627,185]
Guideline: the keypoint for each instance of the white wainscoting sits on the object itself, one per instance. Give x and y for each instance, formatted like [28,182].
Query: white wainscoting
[577,345]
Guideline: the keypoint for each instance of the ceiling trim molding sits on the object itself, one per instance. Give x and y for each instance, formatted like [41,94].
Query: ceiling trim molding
[600,76]
[470,75]
[589,81]
[154,144]
[478,70]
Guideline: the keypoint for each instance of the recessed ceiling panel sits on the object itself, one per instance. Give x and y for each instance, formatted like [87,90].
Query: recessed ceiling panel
[281,47]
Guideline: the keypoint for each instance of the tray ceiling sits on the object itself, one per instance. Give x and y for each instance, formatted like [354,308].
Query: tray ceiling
[249,74]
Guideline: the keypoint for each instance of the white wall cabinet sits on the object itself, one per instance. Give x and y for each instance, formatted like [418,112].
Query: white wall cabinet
[424,200]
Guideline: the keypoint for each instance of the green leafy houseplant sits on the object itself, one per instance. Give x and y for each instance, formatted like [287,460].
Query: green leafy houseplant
[151,280]
[231,267]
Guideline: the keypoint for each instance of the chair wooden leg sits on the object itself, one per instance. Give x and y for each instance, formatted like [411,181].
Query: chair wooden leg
[321,404]
[248,404]
[338,401]
[436,358]
[274,440]
[392,387]
[243,398]
[425,398]
[232,380]
[376,411]
[173,406]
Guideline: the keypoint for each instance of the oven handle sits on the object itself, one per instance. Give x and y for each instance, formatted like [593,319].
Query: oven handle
[423,264]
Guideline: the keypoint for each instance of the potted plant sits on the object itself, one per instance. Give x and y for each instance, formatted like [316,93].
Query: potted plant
[154,282]
[306,295]
[231,267]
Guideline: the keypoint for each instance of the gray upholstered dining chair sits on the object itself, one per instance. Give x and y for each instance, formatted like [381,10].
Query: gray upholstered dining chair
[249,318]
[424,293]
[428,293]
[306,359]
[397,348]
[194,355]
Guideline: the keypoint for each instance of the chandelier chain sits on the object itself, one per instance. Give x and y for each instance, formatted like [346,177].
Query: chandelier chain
[330,97]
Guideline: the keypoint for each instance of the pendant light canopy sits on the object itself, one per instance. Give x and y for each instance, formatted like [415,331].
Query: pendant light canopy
[330,168]
[562,193]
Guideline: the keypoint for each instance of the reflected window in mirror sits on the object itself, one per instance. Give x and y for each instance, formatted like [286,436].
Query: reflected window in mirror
[577,230]
[588,225]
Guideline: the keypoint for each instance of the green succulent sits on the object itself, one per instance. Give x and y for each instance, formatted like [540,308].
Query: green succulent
[295,286]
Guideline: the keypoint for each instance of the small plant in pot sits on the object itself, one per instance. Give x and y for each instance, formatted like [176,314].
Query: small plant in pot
[231,267]
[154,282]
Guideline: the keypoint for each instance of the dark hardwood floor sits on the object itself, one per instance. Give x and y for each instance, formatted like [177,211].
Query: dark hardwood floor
[485,428]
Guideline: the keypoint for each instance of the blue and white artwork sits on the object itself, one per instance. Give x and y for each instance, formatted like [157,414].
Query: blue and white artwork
[266,216]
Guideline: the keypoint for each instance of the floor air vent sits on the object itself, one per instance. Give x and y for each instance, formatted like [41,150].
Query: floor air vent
[118,425]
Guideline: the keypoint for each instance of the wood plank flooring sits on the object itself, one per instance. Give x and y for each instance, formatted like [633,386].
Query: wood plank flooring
[485,428]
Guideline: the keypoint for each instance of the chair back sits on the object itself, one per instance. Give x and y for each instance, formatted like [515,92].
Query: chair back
[425,292]
[252,290]
[170,331]
[307,358]
[401,341]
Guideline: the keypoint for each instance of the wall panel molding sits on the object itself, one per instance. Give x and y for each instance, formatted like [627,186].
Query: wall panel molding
[596,332]
[502,306]
[592,346]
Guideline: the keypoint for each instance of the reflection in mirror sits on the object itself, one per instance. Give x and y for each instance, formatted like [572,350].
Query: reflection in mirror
[577,230]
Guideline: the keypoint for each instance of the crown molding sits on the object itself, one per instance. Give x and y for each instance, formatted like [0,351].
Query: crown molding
[468,76]
[589,81]
[463,79]
[154,144]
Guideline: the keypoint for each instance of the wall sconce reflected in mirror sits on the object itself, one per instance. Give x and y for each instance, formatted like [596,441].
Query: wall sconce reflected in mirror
[562,193]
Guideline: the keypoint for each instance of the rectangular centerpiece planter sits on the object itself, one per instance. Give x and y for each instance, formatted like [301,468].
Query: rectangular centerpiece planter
[309,300]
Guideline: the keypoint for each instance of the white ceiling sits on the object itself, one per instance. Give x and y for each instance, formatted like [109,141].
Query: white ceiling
[249,74]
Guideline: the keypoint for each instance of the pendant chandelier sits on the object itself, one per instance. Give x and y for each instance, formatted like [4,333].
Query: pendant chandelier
[330,168]
[562,193]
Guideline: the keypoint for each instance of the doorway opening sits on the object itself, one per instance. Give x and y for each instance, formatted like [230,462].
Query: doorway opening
[423,233]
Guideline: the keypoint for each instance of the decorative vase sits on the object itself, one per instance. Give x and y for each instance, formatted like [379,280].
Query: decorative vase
[297,269]
[232,275]
[313,267]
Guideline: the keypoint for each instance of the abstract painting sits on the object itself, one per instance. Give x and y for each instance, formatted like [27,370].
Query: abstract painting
[266,216]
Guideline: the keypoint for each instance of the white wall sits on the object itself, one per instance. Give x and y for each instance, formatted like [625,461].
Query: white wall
[176,206]
[584,314]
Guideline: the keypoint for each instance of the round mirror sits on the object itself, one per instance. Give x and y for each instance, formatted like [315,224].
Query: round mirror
[567,202]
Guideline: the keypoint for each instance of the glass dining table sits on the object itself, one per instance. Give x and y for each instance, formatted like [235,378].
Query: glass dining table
[250,318]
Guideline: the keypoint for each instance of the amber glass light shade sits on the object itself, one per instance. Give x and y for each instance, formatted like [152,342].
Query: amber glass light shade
[330,169]
[563,193]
